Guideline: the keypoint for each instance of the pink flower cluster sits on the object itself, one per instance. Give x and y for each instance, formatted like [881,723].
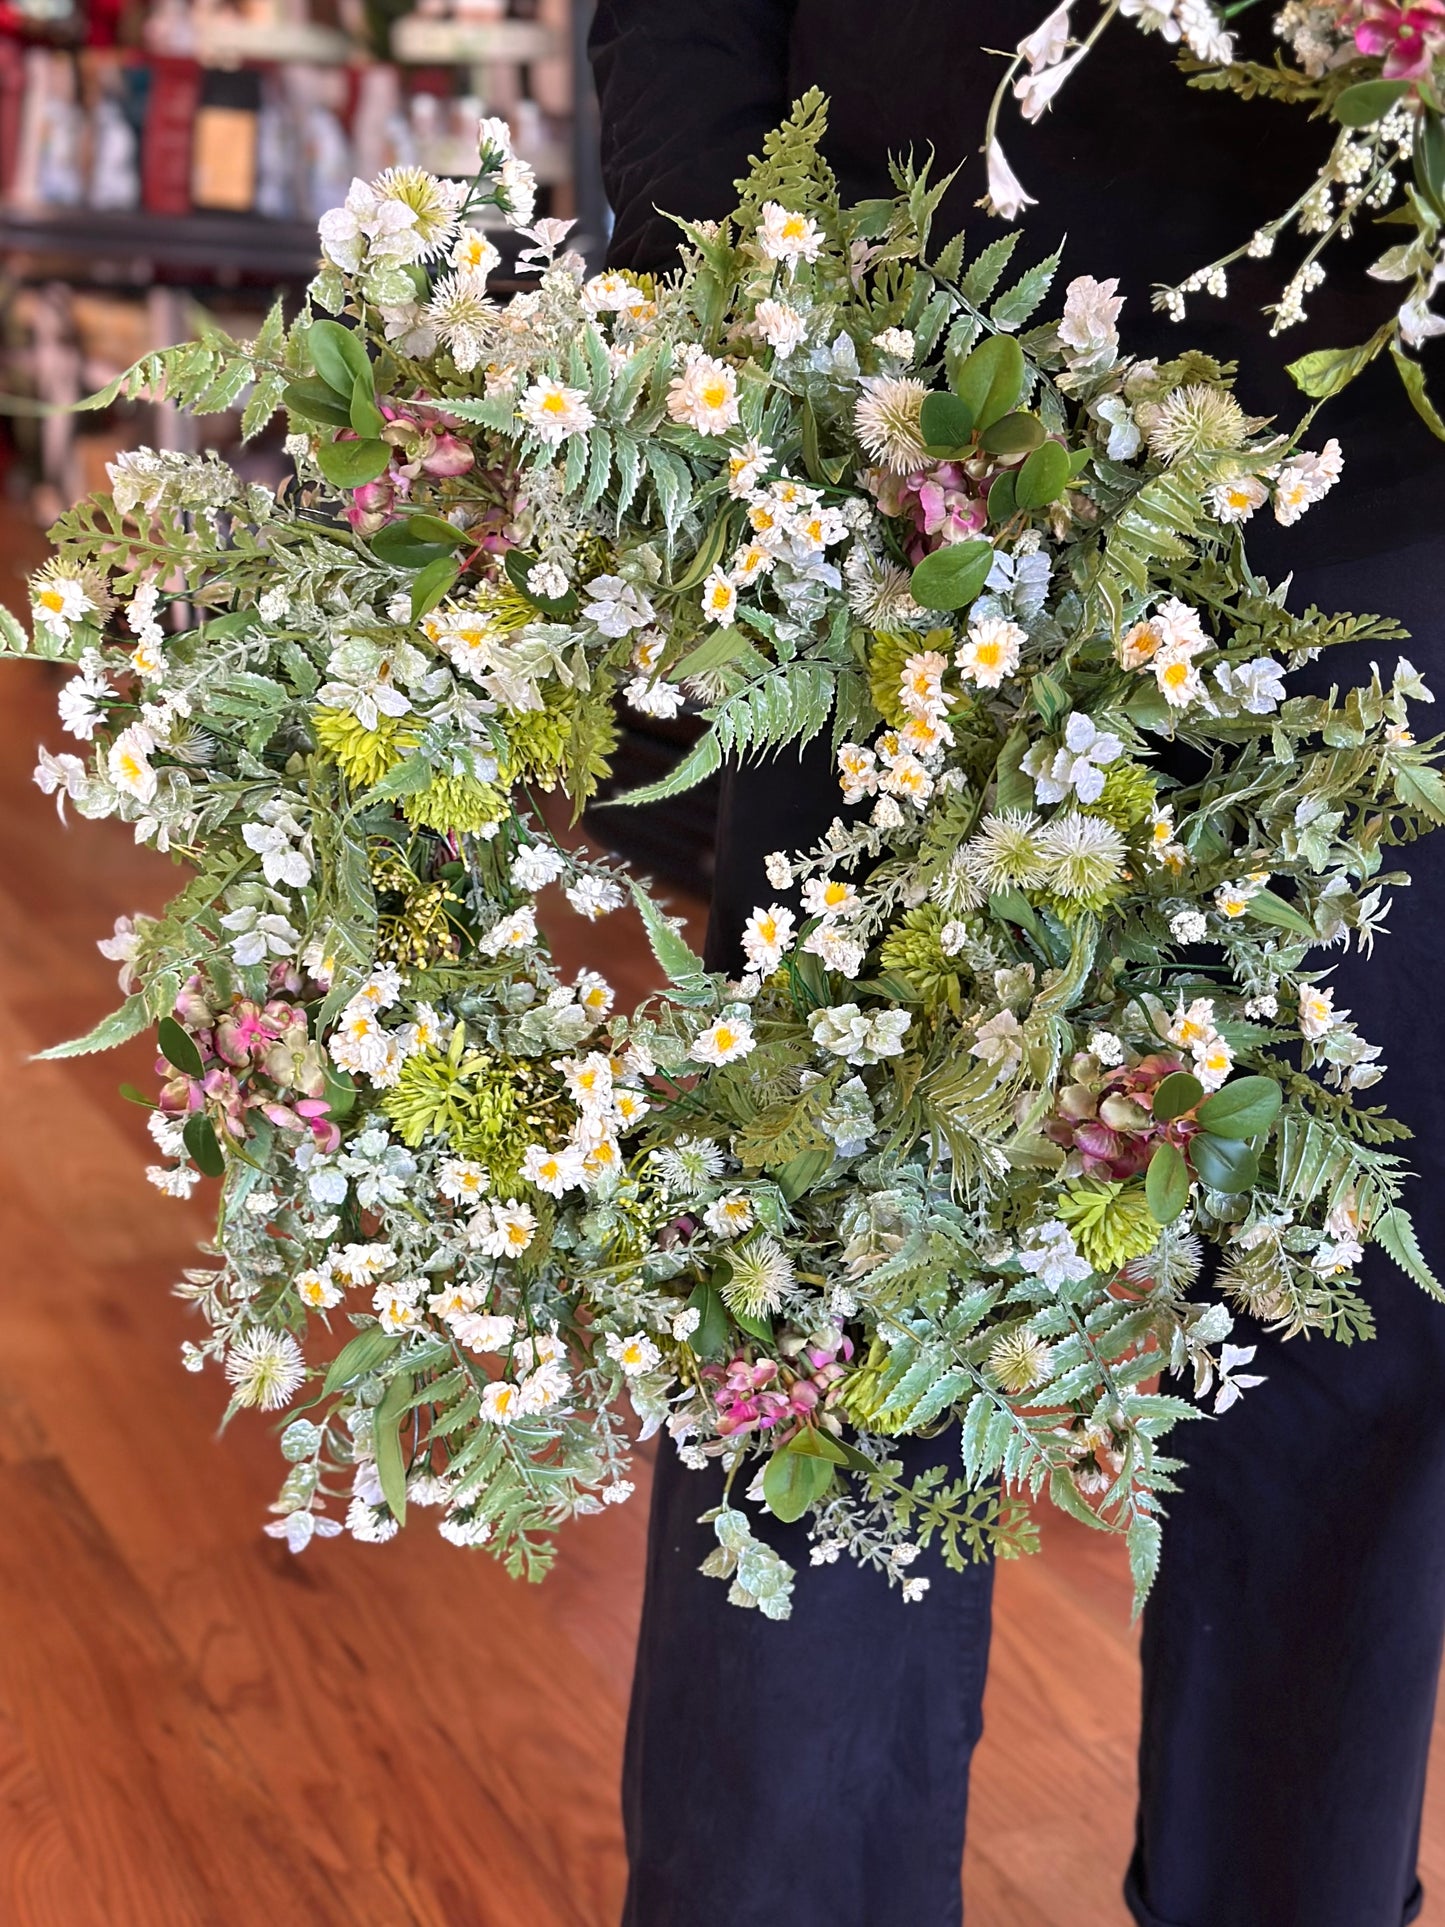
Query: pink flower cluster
[761,1395]
[942,501]
[255,1057]
[1110,1125]
[1411,37]
[423,447]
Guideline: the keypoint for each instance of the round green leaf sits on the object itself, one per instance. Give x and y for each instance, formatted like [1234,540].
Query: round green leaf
[397,544]
[204,1147]
[1368,101]
[1001,502]
[353,464]
[339,356]
[1224,1164]
[710,1336]
[313,401]
[991,379]
[792,1481]
[946,421]
[434,528]
[1166,1184]
[178,1047]
[1013,434]
[1043,477]
[1429,159]
[1176,1094]
[431,584]
[950,578]
[339,1090]
[366,418]
[1242,1108]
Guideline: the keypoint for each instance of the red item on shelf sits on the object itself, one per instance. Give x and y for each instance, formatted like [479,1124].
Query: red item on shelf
[12,93]
[166,145]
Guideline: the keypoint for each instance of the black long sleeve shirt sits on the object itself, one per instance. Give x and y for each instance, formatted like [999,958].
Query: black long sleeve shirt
[1144,177]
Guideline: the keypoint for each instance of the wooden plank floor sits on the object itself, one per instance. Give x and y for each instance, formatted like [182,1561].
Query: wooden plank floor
[196,1728]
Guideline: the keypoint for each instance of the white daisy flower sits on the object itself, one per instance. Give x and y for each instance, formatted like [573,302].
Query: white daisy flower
[635,1354]
[462,1180]
[829,897]
[786,236]
[483,1332]
[397,1307]
[723,1042]
[554,411]
[58,602]
[783,328]
[1317,1013]
[730,1215]
[766,935]
[594,993]
[746,468]
[720,599]
[594,897]
[1236,501]
[500,1403]
[990,655]
[510,1229]
[554,1172]
[317,1289]
[704,395]
[536,865]
[840,953]
[128,763]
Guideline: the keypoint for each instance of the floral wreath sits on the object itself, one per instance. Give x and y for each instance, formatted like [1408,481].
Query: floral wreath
[1044,1016]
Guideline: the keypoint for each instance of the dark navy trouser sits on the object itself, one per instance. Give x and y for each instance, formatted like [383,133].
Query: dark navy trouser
[816,1772]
